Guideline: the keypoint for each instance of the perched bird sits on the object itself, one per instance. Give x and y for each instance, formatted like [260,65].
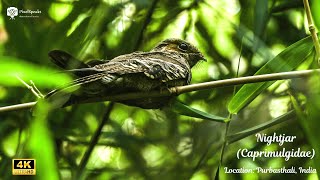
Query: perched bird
[166,65]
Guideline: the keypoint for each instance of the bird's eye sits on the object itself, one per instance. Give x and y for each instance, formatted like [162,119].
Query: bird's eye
[183,47]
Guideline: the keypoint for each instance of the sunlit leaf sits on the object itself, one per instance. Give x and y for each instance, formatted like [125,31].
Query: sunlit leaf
[287,60]
[41,144]
[58,11]
[11,68]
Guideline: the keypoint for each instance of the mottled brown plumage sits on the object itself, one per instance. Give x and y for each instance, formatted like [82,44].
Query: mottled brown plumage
[168,64]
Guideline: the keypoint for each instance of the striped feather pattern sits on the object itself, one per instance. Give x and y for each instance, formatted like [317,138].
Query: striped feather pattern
[168,64]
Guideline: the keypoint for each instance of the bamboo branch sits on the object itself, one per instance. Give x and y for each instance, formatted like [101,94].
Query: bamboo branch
[17,107]
[31,87]
[93,142]
[312,30]
[174,91]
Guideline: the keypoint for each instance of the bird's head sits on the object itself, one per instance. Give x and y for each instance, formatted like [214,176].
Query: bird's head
[187,50]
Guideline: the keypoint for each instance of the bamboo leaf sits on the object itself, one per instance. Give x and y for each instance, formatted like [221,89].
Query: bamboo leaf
[186,110]
[287,60]
[261,16]
[243,134]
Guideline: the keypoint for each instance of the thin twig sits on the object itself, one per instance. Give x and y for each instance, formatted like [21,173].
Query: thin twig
[94,141]
[184,89]
[17,107]
[32,88]
[312,30]
[206,85]
[95,137]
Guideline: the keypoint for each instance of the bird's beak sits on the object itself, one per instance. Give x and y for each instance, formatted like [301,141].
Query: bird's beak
[202,57]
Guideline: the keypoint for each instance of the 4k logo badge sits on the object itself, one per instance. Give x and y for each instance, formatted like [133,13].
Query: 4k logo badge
[23,167]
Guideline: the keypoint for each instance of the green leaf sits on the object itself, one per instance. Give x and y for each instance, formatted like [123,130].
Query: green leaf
[41,144]
[287,60]
[186,110]
[261,16]
[315,9]
[248,132]
[11,68]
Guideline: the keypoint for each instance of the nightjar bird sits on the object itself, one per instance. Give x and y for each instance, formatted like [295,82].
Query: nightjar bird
[167,65]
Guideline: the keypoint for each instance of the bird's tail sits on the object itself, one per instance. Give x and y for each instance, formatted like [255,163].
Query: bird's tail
[65,60]
[84,72]
[78,82]
[61,96]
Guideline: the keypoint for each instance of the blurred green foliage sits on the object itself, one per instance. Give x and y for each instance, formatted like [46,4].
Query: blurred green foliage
[158,144]
[315,12]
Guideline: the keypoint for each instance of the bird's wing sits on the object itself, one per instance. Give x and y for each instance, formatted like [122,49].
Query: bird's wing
[153,68]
